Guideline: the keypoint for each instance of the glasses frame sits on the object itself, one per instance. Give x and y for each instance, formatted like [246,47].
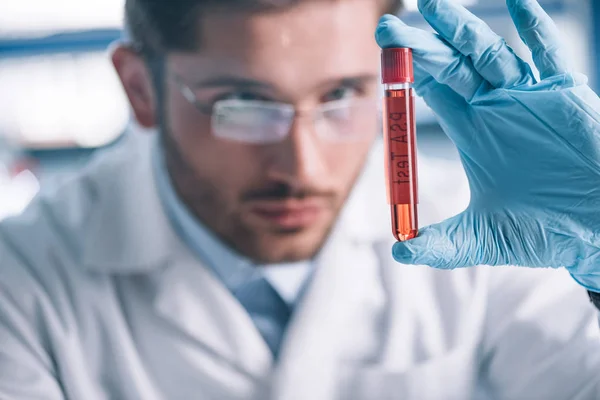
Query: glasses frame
[316,112]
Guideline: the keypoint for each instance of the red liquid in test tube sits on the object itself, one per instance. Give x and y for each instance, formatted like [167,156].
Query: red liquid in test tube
[399,130]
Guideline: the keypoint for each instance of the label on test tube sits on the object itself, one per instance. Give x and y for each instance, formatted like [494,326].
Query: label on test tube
[400,130]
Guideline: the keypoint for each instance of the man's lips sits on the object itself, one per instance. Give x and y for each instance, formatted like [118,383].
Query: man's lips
[289,214]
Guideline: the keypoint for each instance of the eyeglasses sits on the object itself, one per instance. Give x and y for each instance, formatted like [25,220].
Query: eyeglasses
[264,122]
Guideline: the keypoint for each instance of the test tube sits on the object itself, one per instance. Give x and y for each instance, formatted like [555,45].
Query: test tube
[399,130]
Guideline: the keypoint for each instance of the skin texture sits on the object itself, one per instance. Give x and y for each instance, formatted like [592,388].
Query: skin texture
[227,185]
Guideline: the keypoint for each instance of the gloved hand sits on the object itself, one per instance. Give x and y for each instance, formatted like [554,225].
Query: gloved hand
[530,149]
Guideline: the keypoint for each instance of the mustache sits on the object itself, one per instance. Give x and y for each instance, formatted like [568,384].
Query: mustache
[282,191]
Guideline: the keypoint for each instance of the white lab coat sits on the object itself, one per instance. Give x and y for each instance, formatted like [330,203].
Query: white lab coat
[99,299]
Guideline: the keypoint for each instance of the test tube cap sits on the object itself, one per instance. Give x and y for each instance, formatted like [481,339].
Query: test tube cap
[397,65]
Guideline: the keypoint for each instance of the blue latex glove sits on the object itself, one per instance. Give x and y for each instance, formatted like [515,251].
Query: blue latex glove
[530,148]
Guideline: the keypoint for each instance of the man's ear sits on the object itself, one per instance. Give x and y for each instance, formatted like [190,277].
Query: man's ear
[137,82]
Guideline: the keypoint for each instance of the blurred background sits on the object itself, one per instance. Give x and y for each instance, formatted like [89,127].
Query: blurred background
[60,100]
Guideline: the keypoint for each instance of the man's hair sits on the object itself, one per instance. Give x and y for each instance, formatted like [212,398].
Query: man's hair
[156,26]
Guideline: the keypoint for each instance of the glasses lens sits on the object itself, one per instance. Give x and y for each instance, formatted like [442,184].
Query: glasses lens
[348,119]
[251,121]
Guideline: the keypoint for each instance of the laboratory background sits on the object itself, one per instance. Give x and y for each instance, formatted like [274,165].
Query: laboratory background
[61,101]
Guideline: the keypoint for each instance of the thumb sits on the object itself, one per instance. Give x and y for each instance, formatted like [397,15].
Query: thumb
[446,245]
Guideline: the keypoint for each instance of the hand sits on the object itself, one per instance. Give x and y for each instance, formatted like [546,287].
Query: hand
[530,148]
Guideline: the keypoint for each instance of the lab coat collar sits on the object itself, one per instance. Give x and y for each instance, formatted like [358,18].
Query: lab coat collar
[192,299]
[339,316]
[127,229]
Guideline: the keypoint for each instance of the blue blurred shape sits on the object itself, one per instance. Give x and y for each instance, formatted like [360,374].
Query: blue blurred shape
[68,42]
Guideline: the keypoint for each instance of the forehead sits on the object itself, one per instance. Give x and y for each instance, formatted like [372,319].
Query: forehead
[313,40]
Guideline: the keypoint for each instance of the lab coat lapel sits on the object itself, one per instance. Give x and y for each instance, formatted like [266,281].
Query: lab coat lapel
[338,317]
[192,299]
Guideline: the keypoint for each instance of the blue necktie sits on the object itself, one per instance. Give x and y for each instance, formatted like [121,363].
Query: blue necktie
[267,309]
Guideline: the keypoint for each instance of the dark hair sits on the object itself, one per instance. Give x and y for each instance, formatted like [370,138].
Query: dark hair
[154,26]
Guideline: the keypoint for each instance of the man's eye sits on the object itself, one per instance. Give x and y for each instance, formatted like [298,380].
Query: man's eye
[341,93]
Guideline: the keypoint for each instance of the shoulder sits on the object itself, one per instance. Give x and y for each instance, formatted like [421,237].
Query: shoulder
[42,246]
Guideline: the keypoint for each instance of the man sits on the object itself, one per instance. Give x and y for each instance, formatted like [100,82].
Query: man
[211,260]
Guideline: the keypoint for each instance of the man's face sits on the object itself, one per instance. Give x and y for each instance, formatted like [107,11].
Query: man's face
[272,202]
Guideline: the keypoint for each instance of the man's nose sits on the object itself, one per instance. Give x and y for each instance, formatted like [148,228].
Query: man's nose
[299,160]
